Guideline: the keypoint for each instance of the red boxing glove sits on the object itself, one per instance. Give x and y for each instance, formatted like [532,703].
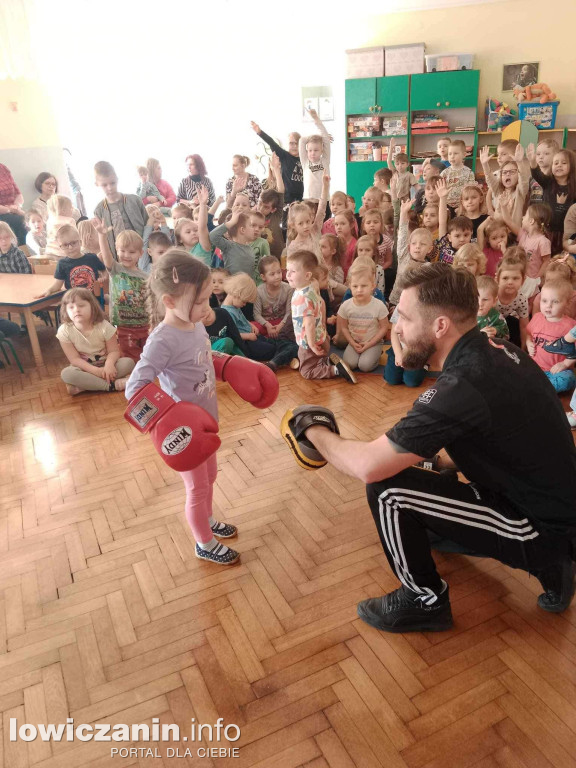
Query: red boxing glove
[253,381]
[184,434]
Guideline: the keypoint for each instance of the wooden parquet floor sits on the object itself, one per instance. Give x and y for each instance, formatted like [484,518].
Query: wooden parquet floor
[107,616]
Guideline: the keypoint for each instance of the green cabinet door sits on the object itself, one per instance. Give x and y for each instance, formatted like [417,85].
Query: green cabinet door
[392,93]
[360,95]
[441,90]
[360,176]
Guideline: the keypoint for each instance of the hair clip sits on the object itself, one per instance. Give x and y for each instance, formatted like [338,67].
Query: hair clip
[175,275]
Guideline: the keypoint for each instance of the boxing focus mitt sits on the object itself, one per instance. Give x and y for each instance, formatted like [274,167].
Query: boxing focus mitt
[184,434]
[253,381]
[293,428]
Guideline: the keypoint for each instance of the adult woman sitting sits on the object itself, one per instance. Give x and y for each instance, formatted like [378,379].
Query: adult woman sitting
[11,202]
[155,176]
[242,181]
[47,184]
[197,178]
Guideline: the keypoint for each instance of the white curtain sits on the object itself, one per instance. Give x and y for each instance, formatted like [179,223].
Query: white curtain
[16,58]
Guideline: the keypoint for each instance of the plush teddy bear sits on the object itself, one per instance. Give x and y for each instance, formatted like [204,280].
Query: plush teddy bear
[538,92]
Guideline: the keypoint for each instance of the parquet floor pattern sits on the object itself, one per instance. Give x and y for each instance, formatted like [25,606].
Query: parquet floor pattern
[107,616]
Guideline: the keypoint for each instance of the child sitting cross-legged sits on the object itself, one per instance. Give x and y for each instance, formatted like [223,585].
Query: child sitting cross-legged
[273,313]
[545,327]
[241,290]
[309,322]
[223,332]
[362,320]
[489,319]
[90,343]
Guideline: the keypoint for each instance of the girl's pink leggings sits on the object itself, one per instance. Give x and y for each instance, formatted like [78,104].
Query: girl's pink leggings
[198,508]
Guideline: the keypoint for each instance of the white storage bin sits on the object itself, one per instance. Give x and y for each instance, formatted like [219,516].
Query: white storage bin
[447,62]
[404,59]
[365,62]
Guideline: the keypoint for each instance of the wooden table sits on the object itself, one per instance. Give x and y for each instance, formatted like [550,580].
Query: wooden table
[17,295]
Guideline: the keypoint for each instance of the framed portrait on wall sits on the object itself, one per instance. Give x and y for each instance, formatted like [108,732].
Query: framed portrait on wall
[520,75]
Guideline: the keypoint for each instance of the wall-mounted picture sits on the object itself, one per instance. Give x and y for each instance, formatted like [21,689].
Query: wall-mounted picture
[519,75]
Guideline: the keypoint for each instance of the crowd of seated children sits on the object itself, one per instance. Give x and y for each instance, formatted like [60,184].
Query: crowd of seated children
[287,278]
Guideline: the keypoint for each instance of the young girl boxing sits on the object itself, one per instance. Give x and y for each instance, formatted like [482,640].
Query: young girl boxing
[90,343]
[178,353]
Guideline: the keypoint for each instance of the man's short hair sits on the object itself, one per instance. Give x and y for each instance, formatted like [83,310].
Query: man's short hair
[443,290]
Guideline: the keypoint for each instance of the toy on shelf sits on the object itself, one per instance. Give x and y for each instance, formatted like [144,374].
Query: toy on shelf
[498,115]
[538,92]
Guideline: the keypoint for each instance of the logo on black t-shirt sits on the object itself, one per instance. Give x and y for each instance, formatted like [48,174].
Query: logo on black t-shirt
[425,397]
[512,355]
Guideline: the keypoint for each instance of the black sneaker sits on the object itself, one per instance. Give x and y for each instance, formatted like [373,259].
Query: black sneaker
[343,369]
[559,581]
[561,347]
[405,611]
[271,365]
[224,530]
[221,554]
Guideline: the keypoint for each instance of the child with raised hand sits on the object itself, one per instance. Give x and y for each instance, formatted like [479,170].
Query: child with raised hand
[373,226]
[366,248]
[493,239]
[90,343]
[146,188]
[362,320]
[273,314]
[452,234]
[117,211]
[304,231]
[36,236]
[413,248]
[559,189]
[12,259]
[307,317]
[271,205]
[178,352]
[545,327]
[470,257]
[344,225]
[314,152]
[490,320]
[512,303]
[127,289]
[237,254]
[201,249]
[75,269]
[511,186]
[394,372]
[545,151]
[456,175]
[471,206]
[241,290]
[531,237]
[399,163]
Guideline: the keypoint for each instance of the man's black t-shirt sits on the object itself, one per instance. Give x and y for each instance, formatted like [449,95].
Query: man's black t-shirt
[501,422]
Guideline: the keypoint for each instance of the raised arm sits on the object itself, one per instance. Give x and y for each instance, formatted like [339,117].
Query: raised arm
[488,175]
[277,171]
[280,151]
[324,133]
[102,230]
[506,216]
[203,234]
[442,190]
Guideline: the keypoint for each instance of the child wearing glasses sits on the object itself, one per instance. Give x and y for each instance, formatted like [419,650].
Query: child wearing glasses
[75,269]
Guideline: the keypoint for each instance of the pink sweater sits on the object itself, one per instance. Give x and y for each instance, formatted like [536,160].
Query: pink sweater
[166,191]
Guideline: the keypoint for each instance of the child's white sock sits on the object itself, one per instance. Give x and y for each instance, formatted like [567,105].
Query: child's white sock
[209,545]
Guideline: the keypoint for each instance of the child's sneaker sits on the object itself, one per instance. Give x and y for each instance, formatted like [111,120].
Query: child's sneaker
[294,364]
[343,369]
[271,365]
[72,390]
[120,384]
[571,419]
[224,530]
[221,554]
[561,347]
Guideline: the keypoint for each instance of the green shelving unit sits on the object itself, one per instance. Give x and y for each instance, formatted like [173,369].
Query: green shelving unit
[383,96]
[453,95]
